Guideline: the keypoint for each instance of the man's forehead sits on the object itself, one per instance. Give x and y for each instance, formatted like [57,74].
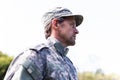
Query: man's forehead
[71,18]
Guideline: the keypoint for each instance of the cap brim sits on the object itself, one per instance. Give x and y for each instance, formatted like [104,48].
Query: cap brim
[78,18]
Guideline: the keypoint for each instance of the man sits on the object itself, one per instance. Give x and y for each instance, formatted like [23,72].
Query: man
[48,61]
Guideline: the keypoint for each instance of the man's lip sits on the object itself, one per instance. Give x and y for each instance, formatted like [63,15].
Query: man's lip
[74,37]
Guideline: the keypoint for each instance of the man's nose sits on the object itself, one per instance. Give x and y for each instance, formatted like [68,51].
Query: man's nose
[76,31]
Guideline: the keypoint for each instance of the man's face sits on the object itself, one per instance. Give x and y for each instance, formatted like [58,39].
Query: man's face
[67,31]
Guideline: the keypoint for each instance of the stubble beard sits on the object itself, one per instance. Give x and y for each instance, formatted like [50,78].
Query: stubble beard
[69,41]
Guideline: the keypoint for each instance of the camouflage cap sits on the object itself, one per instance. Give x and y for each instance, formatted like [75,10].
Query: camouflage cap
[60,12]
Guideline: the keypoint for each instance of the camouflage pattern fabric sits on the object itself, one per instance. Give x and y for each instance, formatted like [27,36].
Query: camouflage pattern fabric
[44,64]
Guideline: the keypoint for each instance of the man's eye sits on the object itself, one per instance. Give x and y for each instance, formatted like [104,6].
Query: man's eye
[72,25]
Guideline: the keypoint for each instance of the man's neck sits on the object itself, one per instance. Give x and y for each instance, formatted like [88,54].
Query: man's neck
[60,40]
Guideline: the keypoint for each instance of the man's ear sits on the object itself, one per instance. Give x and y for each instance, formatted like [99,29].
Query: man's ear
[54,23]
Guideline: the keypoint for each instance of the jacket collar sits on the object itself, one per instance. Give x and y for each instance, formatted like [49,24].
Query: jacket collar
[58,46]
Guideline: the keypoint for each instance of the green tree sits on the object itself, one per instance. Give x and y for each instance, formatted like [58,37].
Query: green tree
[4,63]
[98,75]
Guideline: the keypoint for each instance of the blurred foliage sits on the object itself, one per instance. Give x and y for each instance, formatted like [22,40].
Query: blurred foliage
[4,63]
[98,75]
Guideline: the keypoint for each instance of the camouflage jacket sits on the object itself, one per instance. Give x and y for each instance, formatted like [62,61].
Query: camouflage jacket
[43,63]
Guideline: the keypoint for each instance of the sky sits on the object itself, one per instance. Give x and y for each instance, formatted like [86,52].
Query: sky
[98,42]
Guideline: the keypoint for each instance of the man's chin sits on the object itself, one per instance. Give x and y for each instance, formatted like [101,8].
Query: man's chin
[72,43]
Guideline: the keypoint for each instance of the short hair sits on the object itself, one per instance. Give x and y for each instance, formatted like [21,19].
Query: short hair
[48,27]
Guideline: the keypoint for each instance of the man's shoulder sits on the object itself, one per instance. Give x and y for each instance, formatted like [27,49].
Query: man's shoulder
[29,59]
[31,52]
[39,47]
